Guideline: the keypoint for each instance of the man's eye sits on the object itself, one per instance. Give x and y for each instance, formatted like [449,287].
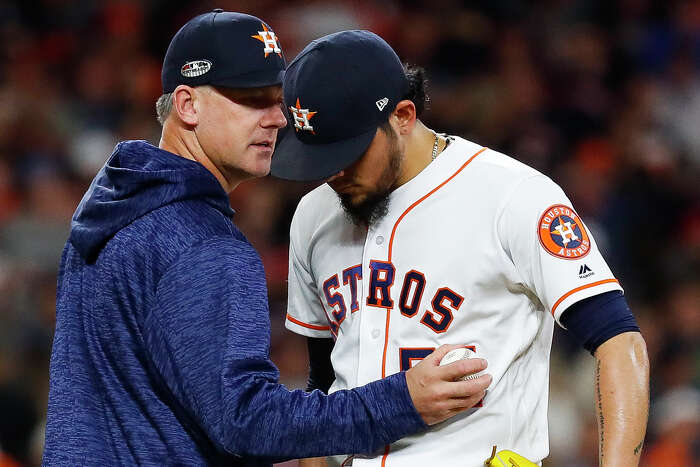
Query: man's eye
[254,102]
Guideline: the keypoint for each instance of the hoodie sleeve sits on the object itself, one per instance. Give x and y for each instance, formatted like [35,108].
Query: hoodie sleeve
[209,336]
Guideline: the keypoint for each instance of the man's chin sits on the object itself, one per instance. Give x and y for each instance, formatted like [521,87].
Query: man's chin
[262,167]
[258,171]
[352,201]
[365,209]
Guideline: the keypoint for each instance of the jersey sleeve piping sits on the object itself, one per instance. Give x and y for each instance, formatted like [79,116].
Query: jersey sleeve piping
[579,293]
[307,325]
[307,329]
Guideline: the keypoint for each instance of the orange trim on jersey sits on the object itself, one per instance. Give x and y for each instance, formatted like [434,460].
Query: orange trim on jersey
[306,325]
[391,244]
[386,453]
[577,289]
[386,341]
[393,231]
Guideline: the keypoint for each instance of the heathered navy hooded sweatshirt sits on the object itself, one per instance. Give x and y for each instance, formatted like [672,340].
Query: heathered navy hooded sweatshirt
[161,351]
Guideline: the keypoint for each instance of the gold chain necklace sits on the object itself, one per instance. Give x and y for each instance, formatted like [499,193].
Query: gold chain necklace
[435,147]
[448,140]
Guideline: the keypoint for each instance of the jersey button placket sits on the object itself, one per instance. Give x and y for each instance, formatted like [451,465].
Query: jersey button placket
[365,368]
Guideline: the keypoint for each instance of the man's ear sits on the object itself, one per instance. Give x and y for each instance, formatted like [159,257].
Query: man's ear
[184,98]
[404,116]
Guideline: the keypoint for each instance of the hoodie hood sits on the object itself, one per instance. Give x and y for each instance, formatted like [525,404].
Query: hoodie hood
[137,179]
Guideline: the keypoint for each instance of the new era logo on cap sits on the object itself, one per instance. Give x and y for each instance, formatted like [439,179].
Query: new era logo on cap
[381,103]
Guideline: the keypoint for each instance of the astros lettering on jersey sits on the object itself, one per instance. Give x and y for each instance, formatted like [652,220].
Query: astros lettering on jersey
[477,249]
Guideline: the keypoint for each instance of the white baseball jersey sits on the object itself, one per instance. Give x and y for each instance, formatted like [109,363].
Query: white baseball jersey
[477,249]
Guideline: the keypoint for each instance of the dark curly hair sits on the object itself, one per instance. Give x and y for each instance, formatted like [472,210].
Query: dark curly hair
[417,88]
[417,92]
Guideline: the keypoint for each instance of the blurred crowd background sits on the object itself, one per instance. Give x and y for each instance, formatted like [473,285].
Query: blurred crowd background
[603,96]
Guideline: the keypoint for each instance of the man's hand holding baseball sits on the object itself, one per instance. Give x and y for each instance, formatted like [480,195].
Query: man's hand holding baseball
[438,392]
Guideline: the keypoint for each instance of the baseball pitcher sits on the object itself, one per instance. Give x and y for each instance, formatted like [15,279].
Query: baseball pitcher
[419,239]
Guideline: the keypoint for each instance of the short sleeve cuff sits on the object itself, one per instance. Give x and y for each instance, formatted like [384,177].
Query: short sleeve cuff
[307,329]
[580,293]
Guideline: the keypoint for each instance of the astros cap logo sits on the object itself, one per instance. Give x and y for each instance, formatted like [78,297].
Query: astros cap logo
[562,233]
[268,37]
[301,118]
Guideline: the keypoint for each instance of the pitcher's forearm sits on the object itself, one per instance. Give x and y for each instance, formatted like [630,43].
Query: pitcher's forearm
[622,399]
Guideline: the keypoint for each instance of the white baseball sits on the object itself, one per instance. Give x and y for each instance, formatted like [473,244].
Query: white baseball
[460,354]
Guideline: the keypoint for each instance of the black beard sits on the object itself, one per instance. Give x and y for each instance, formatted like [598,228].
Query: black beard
[376,206]
[370,211]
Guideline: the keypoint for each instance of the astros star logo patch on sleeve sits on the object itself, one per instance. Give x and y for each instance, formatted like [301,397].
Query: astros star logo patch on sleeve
[562,233]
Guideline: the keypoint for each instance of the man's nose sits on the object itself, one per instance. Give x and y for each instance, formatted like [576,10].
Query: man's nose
[274,117]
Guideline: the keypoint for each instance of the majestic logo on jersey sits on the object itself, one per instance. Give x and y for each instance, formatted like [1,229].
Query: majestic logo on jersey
[381,103]
[195,68]
[268,37]
[584,271]
[301,118]
[562,233]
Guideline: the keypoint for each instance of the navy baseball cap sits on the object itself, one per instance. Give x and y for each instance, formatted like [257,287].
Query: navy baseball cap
[338,91]
[226,49]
